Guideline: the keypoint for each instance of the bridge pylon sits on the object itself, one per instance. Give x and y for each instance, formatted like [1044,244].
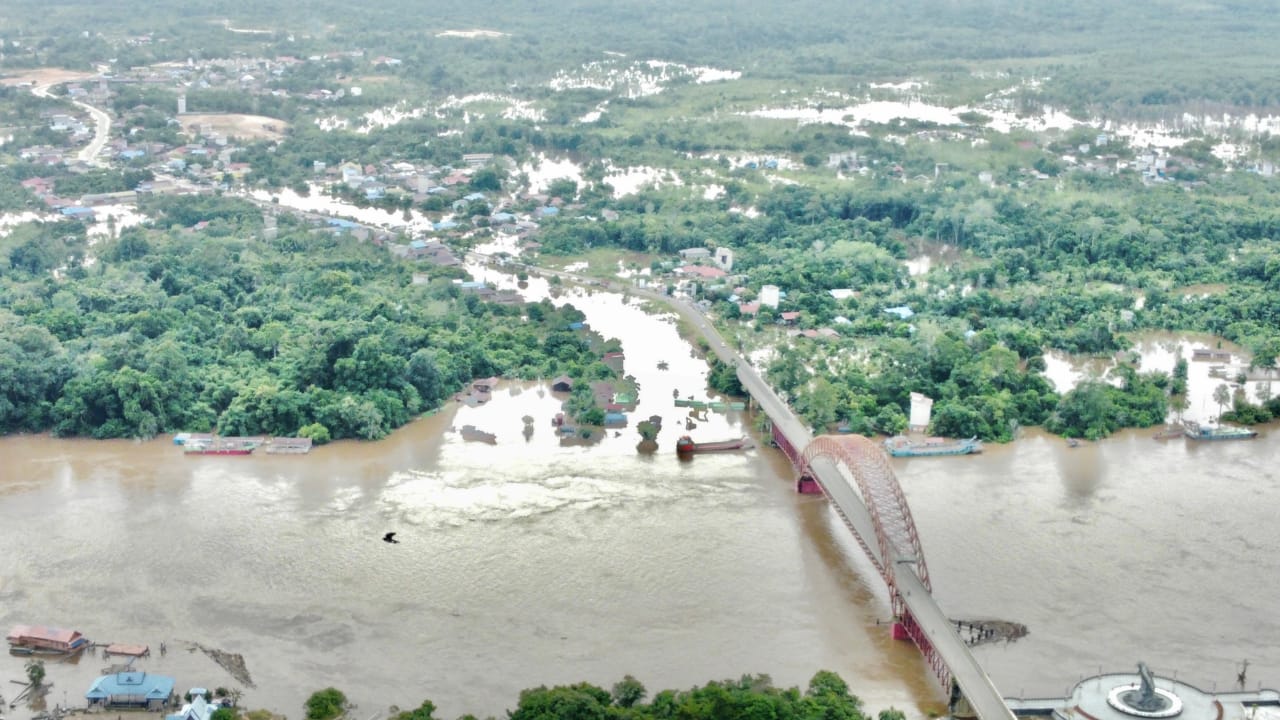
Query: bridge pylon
[807,484]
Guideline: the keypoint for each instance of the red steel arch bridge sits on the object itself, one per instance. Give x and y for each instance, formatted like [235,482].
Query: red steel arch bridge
[854,474]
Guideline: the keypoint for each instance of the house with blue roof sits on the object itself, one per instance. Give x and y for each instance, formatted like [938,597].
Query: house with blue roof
[902,311]
[131,690]
[548,211]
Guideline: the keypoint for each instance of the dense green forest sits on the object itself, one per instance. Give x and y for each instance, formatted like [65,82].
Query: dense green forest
[827,697]
[168,330]
[1091,53]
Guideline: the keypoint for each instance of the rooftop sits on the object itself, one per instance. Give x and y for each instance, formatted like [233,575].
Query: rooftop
[146,685]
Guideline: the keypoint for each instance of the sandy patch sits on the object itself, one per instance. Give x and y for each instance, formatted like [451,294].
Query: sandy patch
[44,76]
[234,125]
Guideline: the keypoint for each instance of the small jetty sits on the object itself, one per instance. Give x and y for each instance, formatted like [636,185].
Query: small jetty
[686,446]
[471,433]
[129,649]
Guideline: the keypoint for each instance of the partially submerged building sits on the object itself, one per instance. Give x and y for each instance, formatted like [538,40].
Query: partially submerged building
[131,690]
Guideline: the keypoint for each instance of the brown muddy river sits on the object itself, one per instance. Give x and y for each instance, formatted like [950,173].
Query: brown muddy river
[528,562]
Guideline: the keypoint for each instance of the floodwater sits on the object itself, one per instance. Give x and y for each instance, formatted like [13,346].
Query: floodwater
[521,563]
[530,562]
[1159,351]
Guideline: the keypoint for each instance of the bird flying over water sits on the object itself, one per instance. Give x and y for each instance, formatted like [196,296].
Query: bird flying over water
[390,538]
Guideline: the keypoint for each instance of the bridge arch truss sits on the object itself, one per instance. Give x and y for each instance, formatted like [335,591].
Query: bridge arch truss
[896,535]
[895,532]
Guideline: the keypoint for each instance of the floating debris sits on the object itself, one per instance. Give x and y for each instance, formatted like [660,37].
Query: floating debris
[981,632]
[233,663]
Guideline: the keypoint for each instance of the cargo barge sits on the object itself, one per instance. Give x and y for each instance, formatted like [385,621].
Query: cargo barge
[905,447]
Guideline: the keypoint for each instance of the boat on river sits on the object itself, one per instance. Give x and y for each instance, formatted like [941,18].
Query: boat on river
[1196,431]
[902,446]
[686,446]
[222,446]
[31,639]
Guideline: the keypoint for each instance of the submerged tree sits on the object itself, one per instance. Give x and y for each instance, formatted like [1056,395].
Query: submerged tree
[35,672]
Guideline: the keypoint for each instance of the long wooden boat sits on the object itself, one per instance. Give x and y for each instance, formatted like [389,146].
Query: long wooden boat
[686,446]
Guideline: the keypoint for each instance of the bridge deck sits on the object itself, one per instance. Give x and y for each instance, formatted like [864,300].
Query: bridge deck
[974,682]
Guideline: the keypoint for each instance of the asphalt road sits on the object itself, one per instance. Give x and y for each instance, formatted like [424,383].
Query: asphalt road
[91,153]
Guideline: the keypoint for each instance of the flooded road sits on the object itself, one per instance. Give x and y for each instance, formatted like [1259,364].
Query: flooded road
[530,562]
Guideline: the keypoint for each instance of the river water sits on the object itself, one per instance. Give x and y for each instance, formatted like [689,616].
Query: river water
[530,562]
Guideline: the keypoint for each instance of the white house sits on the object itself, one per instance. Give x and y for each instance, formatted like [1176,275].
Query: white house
[770,295]
[921,412]
[724,258]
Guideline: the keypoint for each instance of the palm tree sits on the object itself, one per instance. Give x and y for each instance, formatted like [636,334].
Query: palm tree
[1222,396]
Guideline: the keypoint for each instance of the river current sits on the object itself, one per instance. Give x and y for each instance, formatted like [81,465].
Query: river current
[530,562]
